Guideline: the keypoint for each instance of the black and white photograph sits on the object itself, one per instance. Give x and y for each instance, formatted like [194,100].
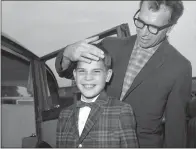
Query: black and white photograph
[98,74]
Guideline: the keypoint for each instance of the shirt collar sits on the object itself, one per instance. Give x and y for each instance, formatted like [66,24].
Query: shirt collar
[92,100]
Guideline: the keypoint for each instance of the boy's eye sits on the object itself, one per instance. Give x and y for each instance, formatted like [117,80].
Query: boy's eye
[81,71]
[97,71]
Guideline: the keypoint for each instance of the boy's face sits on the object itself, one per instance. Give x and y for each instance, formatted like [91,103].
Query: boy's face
[91,78]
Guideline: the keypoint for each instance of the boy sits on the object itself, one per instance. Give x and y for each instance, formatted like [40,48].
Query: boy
[105,121]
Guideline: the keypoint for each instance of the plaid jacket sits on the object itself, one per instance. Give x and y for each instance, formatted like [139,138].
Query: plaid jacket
[111,123]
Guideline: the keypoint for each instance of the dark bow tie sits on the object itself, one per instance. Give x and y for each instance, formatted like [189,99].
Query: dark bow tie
[81,104]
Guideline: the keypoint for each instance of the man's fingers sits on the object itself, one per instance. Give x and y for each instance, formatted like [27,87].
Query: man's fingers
[86,60]
[92,39]
[93,50]
[97,52]
[90,56]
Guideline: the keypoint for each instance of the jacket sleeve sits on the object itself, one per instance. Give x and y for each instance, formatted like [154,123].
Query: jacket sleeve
[64,66]
[175,112]
[128,136]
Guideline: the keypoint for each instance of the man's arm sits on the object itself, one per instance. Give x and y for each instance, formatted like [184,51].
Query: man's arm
[128,128]
[175,114]
[64,66]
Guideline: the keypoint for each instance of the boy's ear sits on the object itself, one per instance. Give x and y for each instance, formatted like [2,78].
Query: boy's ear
[109,75]
[74,74]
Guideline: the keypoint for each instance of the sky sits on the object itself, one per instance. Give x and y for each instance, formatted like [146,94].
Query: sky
[46,26]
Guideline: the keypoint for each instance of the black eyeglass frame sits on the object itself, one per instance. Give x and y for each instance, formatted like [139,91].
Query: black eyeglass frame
[145,24]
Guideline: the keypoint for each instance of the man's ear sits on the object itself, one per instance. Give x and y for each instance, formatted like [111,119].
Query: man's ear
[169,30]
[109,75]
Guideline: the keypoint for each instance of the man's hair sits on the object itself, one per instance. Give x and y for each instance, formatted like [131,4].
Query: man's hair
[176,7]
[107,60]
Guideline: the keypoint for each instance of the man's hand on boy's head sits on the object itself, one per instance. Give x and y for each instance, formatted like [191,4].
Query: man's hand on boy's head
[83,51]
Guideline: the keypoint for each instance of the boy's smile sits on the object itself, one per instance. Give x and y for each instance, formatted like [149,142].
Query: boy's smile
[89,86]
[91,78]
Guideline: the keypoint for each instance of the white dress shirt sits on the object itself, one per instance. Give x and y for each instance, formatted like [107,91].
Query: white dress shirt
[83,115]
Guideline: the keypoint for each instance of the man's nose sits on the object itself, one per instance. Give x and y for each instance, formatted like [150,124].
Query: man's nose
[144,31]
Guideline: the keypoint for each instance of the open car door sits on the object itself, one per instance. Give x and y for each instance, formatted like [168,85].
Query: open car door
[22,90]
[61,97]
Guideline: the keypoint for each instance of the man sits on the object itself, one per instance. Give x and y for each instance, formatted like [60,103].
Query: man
[149,73]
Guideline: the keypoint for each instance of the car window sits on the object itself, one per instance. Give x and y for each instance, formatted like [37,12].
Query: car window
[15,76]
[17,99]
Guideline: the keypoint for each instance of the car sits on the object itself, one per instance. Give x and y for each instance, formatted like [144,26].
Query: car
[31,96]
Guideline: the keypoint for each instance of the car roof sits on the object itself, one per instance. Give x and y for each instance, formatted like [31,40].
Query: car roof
[8,39]
[12,39]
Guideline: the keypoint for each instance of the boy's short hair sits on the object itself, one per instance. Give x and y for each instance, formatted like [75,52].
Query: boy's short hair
[107,60]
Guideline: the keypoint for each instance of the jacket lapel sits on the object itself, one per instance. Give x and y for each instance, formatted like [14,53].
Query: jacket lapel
[154,62]
[121,61]
[95,113]
[74,117]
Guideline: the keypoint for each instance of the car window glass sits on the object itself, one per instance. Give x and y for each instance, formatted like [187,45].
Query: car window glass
[16,77]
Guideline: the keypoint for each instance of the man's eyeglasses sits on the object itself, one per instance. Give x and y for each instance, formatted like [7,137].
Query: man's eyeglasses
[151,28]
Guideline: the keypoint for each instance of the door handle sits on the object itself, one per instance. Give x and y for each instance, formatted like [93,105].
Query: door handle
[33,135]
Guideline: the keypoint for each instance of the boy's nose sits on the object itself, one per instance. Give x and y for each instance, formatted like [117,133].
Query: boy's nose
[88,76]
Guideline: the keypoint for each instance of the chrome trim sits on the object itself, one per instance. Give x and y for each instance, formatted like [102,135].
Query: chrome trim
[13,52]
